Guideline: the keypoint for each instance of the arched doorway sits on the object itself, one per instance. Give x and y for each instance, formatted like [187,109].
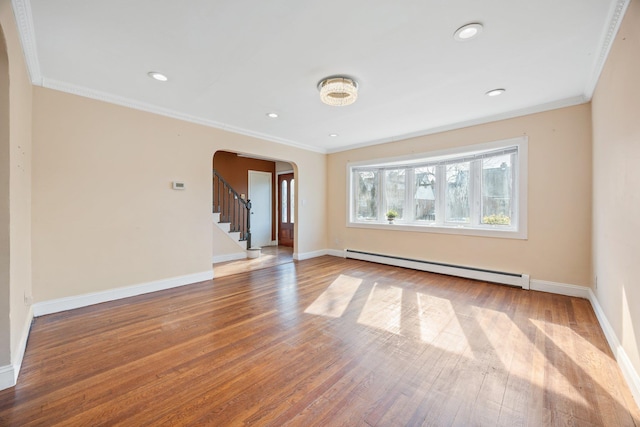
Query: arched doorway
[239,172]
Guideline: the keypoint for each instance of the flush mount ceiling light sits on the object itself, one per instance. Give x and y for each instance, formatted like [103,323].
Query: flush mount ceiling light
[158,76]
[338,91]
[467,32]
[333,135]
[495,92]
[272,115]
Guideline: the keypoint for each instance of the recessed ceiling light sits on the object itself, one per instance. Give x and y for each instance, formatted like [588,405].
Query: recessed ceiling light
[158,76]
[495,92]
[333,135]
[272,115]
[467,32]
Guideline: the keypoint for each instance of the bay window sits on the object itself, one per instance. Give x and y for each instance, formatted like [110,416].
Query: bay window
[478,190]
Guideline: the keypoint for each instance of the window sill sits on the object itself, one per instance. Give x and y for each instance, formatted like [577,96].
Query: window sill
[442,229]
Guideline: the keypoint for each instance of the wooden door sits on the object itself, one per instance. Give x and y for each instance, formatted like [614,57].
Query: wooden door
[286,209]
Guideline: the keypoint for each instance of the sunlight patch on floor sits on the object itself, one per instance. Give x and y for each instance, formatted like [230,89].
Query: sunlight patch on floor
[433,312]
[383,308]
[589,355]
[336,298]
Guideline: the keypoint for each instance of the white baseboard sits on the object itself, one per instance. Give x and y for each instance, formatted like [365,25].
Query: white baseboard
[451,270]
[337,252]
[228,257]
[9,373]
[629,372]
[309,255]
[69,303]
[7,376]
[560,288]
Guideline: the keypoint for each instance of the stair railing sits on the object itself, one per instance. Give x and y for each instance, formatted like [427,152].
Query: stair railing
[232,208]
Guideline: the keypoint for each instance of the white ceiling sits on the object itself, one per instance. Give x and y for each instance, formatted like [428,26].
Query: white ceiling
[231,62]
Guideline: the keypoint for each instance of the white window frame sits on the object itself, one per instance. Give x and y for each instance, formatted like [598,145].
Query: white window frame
[518,229]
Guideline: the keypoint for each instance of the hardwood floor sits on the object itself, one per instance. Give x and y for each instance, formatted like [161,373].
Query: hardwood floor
[270,256]
[323,342]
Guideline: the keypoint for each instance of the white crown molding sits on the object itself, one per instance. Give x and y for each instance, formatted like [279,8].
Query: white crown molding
[137,105]
[24,21]
[562,103]
[615,20]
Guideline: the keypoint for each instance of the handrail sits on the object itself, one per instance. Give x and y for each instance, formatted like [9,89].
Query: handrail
[232,208]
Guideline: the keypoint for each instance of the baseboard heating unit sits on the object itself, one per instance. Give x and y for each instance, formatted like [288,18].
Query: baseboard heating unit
[513,279]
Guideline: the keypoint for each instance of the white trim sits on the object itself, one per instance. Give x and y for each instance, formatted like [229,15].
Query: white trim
[485,276]
[560,288]
[143,106]
[442,229]
[9,373]
[18,355]
[616,15]
[518,231]
[22,11]
[567,102]
[7,376]
[228,257]
[78,301]
[24,21]
[308,255]
[337,253]
[628,371]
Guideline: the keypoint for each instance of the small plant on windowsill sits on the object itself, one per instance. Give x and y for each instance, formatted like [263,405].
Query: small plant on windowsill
[391,215]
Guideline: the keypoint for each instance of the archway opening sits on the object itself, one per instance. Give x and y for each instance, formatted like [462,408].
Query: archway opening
[239,178]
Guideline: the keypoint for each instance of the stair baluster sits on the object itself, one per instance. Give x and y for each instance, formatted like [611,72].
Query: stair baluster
[232,208]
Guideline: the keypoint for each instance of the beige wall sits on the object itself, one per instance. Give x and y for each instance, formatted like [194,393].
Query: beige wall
[104,213]
[616,185]
[283,167]
[19,180]
[224,245]
[559,202]
[5,295]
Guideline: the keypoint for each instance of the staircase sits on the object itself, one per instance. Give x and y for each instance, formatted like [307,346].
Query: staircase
[231,212]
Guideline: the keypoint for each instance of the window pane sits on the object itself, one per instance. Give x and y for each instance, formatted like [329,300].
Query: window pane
[367,196]
[292,198]
[424,198]
[497,190]
[284,199]
[394,184]
[457,196]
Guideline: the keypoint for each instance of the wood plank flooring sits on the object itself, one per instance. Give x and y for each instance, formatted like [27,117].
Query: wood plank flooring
[269,257]
[323,342]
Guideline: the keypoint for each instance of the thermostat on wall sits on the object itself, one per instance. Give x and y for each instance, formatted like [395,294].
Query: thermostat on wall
[178,185]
